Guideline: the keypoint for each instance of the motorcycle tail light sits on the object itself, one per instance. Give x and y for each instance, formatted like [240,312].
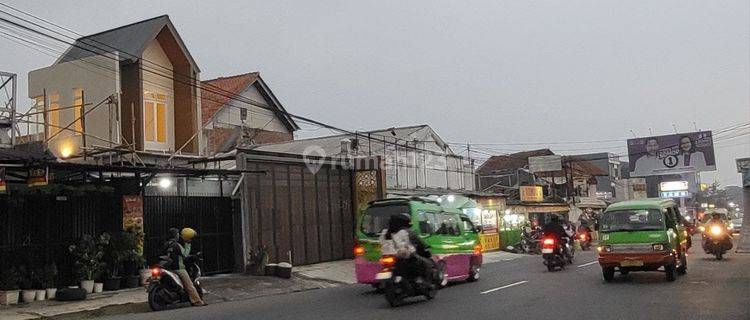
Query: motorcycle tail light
[583,236]
[477,249]
[387,261]
[155,273]
[548,242]
[359,251]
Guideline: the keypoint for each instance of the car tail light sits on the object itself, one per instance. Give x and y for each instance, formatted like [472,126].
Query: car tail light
[658,247]
[387,261]
[155,273]
[477,250]
[359,251]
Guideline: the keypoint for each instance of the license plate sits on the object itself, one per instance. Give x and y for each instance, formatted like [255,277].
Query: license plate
[631,263]
[548,250]
[383,275]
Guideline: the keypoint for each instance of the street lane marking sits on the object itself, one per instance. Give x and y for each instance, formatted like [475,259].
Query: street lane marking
[504,287]
[588,264]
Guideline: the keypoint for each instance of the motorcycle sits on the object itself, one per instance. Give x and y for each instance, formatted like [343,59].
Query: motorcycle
[555,254]
[530,241]
[165,288]
[398,284]
[717,241]
[584,237]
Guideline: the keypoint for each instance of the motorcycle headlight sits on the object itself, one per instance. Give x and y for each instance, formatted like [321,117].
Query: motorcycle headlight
[702,228]
[716,230]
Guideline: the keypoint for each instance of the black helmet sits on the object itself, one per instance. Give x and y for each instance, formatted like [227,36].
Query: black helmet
[555,218]
[399,221]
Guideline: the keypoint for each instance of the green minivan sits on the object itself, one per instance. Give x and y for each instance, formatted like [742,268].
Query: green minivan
[453,239]
[643,235]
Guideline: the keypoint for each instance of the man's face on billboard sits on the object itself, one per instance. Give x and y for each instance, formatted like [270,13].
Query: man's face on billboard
[652,146]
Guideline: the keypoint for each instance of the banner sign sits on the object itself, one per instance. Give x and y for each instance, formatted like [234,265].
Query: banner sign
[532,194]
[674,153]
[545,163]
[132,213]
[2,179]
[37,177]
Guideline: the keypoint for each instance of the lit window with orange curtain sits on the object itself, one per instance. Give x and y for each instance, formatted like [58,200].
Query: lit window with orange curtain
[155,117]
[78,110]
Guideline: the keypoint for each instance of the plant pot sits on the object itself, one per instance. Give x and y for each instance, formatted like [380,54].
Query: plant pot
[51,292]
[9,297]
[145,276]
[131,281]
[87,285]
[271,269]
[28,295]
[284,270]
[112,284]
[40,295]
[98,287]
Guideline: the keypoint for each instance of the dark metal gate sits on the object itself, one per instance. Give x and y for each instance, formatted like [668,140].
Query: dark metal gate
[299,214]
[37,229]
[211,217]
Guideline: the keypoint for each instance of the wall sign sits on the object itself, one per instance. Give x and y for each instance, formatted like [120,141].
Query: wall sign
[132,213]
[532,194]
[37,177]
[2,179]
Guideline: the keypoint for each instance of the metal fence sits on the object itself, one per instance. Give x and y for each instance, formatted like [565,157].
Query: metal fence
[37,229]
[211,217]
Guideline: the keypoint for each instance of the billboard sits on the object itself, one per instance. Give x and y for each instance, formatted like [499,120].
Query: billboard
[545,163]
[674,153]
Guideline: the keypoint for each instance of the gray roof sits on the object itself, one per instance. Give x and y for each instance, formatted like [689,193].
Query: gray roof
[129,40]
[331,145]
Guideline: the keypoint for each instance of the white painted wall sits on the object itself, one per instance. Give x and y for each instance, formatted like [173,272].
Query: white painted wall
[99,77]
[257,117]
[160,80]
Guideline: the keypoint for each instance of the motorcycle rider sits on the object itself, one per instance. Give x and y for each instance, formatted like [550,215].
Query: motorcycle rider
[418,263]
[178,248]
[716,220]
[555,229]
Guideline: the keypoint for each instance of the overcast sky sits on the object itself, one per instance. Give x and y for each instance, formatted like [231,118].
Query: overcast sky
[479,71]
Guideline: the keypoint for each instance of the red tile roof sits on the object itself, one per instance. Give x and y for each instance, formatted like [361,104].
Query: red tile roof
[211,102]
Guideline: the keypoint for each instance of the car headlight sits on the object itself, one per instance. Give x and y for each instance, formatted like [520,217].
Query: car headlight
[604,248]
[658,247]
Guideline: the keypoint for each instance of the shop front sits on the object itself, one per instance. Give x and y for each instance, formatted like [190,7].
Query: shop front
[535,214]
[484,211]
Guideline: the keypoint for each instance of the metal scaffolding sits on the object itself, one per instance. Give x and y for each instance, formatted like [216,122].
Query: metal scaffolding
[8,124]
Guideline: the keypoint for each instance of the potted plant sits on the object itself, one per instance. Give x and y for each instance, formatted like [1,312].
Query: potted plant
[88,255]
[38,283]
[114,255]
[257,261]
[28,294]
[50,279]
[133,260]
[9,293]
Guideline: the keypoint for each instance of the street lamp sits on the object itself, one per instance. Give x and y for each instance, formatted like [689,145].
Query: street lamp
[165,183]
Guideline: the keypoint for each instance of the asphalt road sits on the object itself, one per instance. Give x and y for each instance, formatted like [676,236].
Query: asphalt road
[521,289]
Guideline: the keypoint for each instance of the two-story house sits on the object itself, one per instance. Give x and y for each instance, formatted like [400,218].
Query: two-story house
[136,89]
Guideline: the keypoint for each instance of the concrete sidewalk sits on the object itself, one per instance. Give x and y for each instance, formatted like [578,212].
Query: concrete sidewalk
[343,271]
[221,288]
